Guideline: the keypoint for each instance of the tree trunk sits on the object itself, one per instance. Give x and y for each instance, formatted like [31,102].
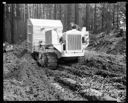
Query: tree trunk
[43,14]
[95,27]
[117,17]
[76,14]
[86,23]
[102,17]
[84,19]
[60,11]
[113,16]
[12,23]
[28,10]
[55,11]
[4,37]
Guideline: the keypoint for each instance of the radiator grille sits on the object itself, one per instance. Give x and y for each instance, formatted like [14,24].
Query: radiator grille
[48,37]
[74,42]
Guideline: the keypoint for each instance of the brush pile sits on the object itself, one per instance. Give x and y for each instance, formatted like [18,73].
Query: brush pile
[109,43]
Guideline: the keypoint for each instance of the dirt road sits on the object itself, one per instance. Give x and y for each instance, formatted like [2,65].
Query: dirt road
[96,78]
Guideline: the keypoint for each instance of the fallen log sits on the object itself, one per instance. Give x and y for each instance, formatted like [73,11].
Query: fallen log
[90,94]
[72,84]
[95,95]
[108,98]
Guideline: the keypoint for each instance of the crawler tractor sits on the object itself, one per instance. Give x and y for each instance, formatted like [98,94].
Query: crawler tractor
[48,44]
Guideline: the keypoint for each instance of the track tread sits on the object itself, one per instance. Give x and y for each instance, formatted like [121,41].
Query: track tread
[52,60]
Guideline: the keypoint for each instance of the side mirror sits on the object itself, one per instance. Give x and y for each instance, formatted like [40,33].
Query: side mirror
[85,40]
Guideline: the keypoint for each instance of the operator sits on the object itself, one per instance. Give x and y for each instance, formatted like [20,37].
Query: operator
[73,27]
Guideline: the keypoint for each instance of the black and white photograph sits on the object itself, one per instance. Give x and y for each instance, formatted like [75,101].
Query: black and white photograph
[64,51]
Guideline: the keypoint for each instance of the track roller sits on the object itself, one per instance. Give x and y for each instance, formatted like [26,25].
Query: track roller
[47,60]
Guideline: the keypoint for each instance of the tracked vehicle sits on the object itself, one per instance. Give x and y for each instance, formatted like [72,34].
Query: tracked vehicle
[48,43]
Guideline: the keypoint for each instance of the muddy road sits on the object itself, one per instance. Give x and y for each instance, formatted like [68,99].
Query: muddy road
[97,77]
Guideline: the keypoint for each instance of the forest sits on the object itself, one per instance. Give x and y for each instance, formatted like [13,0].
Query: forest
[96,17]
[98,75]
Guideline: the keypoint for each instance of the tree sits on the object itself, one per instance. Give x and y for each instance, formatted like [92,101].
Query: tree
[4,18]
[117,16]
[102,16]
[60,11]
[12,23]
[86,20]
[95,27]
[76,14]
[113,16]
[55,11]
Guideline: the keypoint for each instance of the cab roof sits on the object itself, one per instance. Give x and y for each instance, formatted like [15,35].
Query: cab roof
[46,23]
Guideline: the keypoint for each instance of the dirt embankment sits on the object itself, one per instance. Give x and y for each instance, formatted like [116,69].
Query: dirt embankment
[111,43]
